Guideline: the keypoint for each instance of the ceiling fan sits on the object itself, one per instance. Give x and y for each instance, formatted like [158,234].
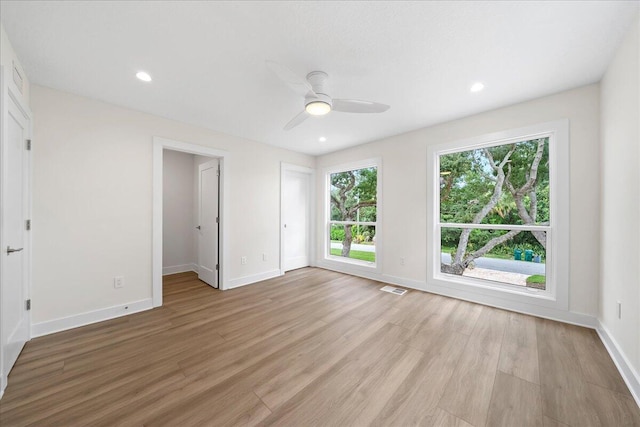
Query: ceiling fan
[316,100]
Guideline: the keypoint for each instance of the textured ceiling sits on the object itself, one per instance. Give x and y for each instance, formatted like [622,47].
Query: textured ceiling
[208,59]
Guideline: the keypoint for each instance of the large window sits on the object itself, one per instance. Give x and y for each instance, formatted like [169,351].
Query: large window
[353,214]
[494,212]
[497,209]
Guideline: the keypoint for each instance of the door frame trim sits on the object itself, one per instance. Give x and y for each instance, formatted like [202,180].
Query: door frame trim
[284,167]
[8,93]
[159,145]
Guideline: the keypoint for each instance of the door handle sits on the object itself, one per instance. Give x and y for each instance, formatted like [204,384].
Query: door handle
[198,227]
[10,251]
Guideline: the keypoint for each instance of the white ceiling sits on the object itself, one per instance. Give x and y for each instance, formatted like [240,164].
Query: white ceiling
[208,59]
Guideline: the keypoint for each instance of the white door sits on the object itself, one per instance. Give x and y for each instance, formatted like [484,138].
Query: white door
[15,204]
[208,222]
[296,187]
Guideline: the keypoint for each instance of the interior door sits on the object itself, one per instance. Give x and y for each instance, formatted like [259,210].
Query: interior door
[208,227]
[14,293]
[296,187]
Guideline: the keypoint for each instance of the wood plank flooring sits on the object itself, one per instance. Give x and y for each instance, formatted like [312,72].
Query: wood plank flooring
[315,347]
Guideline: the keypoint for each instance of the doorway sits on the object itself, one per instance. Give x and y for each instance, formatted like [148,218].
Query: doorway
[15,202]
[296,236]
[190,210]
[205,225]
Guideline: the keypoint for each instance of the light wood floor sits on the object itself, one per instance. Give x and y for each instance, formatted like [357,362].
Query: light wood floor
[317,348]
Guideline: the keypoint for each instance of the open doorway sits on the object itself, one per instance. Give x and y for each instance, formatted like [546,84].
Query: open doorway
[296,216]
[188,213]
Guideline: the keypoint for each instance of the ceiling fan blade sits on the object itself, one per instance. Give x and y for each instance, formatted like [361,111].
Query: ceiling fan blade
[295,82]
[357,106]
[296,120]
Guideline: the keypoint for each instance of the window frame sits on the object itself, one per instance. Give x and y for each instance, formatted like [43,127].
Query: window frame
[350,264]
[557,261]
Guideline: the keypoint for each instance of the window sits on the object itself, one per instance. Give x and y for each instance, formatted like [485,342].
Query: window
[499,207]
[352,217]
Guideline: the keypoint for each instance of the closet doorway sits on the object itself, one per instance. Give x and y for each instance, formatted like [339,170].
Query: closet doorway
[188,212]
[296,216]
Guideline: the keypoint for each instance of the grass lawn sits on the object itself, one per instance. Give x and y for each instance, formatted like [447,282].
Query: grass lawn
[361,255]
[537,278]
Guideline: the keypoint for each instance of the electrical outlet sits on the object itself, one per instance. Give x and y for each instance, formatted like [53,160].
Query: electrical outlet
[401,261]
[243,260]
[118,282]
[264,257]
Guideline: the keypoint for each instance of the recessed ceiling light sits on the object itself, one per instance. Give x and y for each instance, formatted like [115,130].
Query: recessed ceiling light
[477,87]
[144,76]
[322,139]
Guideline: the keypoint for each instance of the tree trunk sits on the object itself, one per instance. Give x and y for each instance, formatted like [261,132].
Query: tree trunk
[529,217]
[454,268]
[346,243]
[490,245]
[461,260]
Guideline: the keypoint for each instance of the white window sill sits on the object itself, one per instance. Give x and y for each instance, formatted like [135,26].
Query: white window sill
[351,261]
[498,291]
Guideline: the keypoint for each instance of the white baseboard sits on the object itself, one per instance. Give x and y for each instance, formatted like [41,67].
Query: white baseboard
[403,281]
[530,309]
[173,269]
[83,319]
[247,280]
[350,268]
[565,316]
[629,374]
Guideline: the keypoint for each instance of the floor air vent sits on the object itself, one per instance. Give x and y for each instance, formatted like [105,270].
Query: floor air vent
[392,290]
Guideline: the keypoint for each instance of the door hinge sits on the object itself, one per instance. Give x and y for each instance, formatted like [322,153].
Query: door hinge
[28,304]
[218,171]
[217,220]
[217,267]
[28,144]
[28,225]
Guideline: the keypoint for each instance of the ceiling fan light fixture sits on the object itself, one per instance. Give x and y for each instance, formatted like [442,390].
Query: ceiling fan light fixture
[318,108]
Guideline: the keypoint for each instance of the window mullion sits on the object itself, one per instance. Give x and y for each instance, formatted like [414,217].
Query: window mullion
[522,227]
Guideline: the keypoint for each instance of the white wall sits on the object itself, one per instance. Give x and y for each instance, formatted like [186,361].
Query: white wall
[8,58]
[404,161]
[92,202]
[620,207]
[178,212]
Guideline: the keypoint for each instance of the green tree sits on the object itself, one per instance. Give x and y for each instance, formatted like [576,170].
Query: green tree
[506,184]
[353,197]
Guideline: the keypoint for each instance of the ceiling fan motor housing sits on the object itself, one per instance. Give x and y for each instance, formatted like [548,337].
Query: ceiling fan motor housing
[317,80]
[314,100]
